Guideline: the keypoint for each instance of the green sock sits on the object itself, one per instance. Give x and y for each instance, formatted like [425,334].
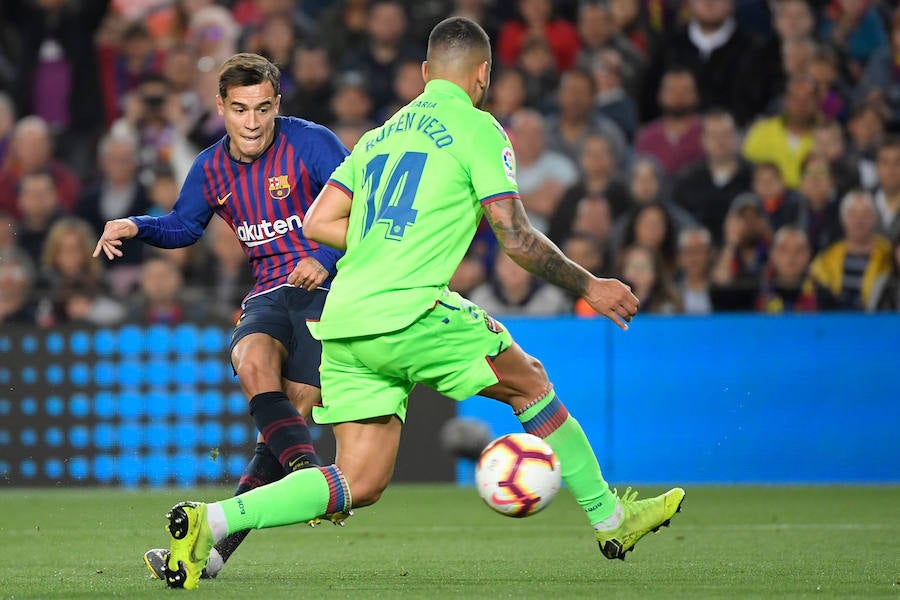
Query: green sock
[297,498]
[548,419]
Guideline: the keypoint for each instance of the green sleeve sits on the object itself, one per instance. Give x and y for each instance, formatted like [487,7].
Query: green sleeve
[493,163]
[343,176]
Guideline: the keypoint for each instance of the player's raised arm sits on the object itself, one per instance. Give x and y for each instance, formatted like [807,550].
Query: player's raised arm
[534,252]
[327,219]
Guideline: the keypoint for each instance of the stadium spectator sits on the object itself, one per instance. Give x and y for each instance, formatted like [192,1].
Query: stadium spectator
[743,256]
[124,62]
[885,294]
[630,20]
[386,48]
[866,127]
[118,192]
[674,139]
[707,188]
[880,81]
[599,36]
[405,88]
[539,72]
[785,286]
[611,100]
[511,290]
[275,37]
[543,174]
[782,205]
[31,151]
[643,270]
[311,96]
[147,118]
[829,141]
[692,280]
[834,93]
[161,298]
[786,139]
[351,101]
[7,124]
[598,170]
[576,118]
[56,71]
[71,283]
[647,184]
[536,21]
[508,94]
[589,252]
[887,194]
[17,278]
[162,191]
[7,235]
[213,33]
[846,271]
[342,28]
[38,209]
[594,219]
[792,20]
[856,30]
[651,226]
[818,215]
[713,46]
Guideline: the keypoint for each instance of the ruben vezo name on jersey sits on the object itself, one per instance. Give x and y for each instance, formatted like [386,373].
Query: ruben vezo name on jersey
[267,231]
[410,121]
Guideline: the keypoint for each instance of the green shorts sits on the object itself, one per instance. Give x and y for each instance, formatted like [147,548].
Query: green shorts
[449,349]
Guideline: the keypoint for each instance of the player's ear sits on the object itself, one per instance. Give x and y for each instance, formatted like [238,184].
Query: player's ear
[220,106]
[425,71]
[277,103]
[484,74]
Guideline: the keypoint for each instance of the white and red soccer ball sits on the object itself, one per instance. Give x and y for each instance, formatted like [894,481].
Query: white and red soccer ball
[517,474]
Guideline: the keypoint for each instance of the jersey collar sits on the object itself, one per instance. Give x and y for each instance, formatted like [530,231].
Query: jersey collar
[442,86]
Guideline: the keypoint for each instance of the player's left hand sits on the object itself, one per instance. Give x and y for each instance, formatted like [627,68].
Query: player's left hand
[308,274]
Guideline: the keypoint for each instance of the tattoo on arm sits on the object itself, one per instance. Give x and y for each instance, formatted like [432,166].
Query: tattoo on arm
[531,249]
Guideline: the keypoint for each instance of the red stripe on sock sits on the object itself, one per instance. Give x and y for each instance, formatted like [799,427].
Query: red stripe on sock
[251,482]
[274,426]
[294,450]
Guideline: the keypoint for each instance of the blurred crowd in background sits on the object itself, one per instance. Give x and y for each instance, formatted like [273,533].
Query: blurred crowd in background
[718,155]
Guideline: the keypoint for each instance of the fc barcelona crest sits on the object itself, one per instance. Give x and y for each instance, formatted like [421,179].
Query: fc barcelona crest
[279,187]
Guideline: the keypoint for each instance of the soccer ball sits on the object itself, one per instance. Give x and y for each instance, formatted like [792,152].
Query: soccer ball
[517,474]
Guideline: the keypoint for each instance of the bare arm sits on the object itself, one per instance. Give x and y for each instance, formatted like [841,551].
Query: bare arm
[534,252]
[327,219]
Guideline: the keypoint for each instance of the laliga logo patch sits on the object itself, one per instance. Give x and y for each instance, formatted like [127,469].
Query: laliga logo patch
[509,164]
[279,187]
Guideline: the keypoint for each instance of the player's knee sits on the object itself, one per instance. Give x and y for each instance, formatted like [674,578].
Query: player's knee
[256,374]
[365,493]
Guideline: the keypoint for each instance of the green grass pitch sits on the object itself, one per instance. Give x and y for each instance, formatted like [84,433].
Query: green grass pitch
[440,541]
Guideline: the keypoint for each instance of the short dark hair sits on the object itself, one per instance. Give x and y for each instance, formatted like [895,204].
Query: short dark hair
[248,69]
[458,33]
[889,141]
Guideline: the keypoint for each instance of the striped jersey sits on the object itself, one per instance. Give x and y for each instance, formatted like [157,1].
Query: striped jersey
[263,201]
[418,186]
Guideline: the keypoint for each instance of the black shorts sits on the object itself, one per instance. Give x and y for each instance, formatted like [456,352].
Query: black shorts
[282,314]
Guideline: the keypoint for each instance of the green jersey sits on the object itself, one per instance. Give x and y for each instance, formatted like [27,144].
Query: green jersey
[418,184]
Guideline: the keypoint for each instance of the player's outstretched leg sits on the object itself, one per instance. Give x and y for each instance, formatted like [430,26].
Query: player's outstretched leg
[263,468]
[619,522]
[636,518]
[297,498]
[192,539]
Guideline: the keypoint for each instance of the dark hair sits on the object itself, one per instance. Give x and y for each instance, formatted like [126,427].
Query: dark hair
[889,141]
[458,33]
[248,69]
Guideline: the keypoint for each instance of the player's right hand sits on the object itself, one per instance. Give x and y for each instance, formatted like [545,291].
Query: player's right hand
[113,234]
[614,300]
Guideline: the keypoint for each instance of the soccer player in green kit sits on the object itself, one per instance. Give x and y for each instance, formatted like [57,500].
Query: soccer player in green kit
[404,205]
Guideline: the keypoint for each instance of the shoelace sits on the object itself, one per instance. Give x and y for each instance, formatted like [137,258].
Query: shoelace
[628,497]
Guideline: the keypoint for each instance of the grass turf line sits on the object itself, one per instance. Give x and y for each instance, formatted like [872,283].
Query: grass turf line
[440,541]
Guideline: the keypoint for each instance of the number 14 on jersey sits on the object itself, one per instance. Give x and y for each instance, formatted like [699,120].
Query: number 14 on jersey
[393,206]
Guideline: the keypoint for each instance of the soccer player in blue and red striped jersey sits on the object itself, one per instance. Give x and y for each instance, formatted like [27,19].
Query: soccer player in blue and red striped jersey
[260,178]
